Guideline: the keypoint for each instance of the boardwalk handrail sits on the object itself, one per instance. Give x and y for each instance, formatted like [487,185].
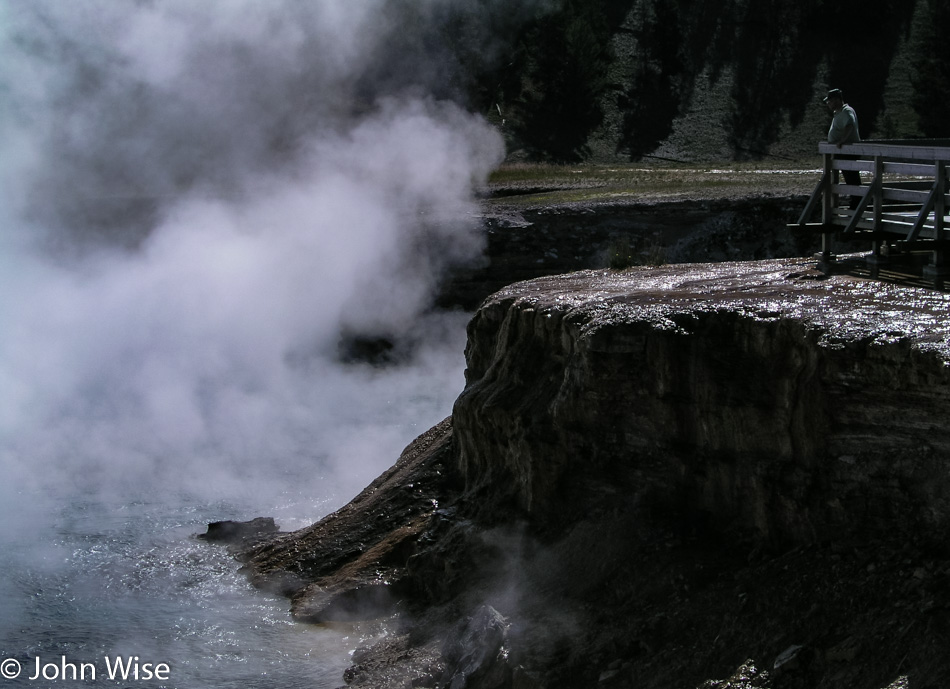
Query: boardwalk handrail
[903,205]
[906,149]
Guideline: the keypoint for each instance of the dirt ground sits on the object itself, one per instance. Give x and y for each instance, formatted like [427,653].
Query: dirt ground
[521,186]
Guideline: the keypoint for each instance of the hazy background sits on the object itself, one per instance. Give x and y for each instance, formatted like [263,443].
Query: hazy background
[197,200]
[200,202]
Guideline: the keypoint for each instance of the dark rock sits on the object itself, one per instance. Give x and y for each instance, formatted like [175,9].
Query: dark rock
[728,394]
[475,653]
[395,662]
[240,533]
[376,350]
[346,565]
[687,469]
[344,601]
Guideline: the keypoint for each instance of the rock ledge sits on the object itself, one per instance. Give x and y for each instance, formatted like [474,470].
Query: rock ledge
[657,477]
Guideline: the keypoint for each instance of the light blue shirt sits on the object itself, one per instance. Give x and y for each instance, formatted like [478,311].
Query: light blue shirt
[839,133]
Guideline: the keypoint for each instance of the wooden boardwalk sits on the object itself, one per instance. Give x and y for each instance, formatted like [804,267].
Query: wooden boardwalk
[901,204]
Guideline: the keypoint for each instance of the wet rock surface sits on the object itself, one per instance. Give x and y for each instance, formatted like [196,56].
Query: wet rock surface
[697,475]
[765,381]
[351,564]
[528,242]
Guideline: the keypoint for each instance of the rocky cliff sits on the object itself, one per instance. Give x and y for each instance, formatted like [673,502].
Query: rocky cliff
[777,403]
[703,475]
[534,241]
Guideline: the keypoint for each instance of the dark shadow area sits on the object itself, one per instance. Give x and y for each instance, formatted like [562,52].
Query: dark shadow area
[547,82]
[860,54]
[931,78]
[653,100]
[779,48]
[675,42]
[563,60]
[776,54]
[905,270]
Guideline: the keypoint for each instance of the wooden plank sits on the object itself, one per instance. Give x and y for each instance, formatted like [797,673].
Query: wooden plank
[827,214]
[906,219]
[878,194]
[859,225]
[813,200]
[940,198]
[859,165]
[909,169]
[916,197]
[918,184]
[862,205]
[911,195]
[926,232]
[925,211]
[866,229]
[850,189]
[897,227]
[901,152]
[827,196]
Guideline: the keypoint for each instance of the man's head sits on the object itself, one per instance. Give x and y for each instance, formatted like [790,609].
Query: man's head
[834,99]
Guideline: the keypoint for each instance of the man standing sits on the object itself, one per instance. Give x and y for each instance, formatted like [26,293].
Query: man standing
[844,124]
[844,130]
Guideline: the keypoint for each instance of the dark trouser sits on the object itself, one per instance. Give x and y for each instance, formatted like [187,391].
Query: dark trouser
[852,177]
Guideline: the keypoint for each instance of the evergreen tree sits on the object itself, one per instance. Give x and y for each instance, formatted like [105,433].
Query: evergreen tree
[652,100]
[546,78]
[563,60]
[932,68]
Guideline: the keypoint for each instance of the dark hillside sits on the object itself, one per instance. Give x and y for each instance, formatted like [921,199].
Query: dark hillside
[696,80]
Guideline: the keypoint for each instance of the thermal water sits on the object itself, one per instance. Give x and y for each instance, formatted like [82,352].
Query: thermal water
[112,588]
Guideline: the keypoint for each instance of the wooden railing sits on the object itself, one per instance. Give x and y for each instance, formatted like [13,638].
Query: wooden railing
[901,205]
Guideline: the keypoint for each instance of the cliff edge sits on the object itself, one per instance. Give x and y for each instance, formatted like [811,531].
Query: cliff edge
[700,475]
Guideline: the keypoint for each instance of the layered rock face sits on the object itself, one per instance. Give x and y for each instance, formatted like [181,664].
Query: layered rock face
[756,395]
[654,477]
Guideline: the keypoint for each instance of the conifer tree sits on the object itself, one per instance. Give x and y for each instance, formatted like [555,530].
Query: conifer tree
[932,72]
[563,59]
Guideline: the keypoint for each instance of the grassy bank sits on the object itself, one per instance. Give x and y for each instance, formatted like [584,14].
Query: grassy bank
[525,185]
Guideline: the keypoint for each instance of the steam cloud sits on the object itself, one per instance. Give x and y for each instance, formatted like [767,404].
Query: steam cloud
[198,198]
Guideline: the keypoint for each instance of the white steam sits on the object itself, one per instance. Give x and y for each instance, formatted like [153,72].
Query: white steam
[198,199]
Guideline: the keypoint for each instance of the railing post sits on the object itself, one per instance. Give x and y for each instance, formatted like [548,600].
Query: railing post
[937,269]
[940,204]
[876,259]
[878,191]
[827,201]
[827,260]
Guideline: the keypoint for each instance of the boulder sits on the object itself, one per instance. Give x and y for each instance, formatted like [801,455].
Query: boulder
[240,533]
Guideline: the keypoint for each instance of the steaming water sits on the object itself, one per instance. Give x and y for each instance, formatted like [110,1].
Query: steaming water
[128,580]
[196,200]
[103,574]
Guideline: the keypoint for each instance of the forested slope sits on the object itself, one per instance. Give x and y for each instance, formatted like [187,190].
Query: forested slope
[697,79]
